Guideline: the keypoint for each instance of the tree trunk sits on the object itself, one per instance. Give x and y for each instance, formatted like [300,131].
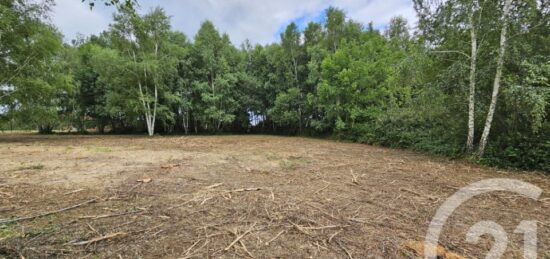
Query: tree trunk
[149,118]
[101,126]
[496,84]
[300,119]
[185,122]
[45,129]
[295,64]
[154,117]
[471,99]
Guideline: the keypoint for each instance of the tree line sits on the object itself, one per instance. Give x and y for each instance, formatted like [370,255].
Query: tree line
[471,79]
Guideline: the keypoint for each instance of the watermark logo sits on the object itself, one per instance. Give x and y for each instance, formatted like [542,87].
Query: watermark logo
[527,228]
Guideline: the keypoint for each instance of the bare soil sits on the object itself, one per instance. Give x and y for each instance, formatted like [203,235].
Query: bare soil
[243,196]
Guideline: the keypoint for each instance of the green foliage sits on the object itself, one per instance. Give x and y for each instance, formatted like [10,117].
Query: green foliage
[337,78]
[518,151]
[32,82]
[357,85]
[287,107]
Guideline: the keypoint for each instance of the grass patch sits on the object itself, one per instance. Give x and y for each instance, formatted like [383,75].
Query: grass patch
[293,162]
[272,156]
[99,149]
[7,232]
[69,149]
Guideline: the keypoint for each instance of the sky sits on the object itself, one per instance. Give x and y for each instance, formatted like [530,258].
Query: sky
[260,21]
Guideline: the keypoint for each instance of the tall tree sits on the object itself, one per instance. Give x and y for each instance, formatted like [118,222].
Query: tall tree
[215,58]
[31,78]
[498,76]
[398,31]
[142,40]
[335,27]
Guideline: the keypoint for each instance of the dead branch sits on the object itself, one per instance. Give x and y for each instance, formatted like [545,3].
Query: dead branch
[181,204]
[73,192]
[192,255]
[93,229]
[344,248]
[246,190]
[320,190]
[272,194]
[191,247]
[214,186]
[325,227]
[9,195]
[354,177]
[8,221]
[98,239]
[109,215]
[246,250]
[239,237]
[333,235]
[273,239]
[300,228]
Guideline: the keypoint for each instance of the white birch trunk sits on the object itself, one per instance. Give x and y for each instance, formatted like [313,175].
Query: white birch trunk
[149,118]
[472,93]
[186,122]
[496,84]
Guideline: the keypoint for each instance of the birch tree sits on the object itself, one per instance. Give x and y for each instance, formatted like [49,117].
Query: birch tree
[498,76]
[141,38]
[472,90]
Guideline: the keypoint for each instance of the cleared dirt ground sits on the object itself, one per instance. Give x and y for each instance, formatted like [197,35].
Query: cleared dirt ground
[287,197]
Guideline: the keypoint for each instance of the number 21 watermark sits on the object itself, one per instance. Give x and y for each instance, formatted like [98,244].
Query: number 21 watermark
[526,227]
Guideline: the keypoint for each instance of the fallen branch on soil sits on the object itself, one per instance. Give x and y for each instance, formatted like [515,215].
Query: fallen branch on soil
[109,215]
[239,237]
[93,229]
[299,228]
[246,190]
[9,195]
[8,221]
[246,250]
[145,180]
[354,177]
[273,239]
[98,239]
[344,248]
[214,186]
[325,227]
[320,190]
[73,192]
[333,235]
[193,255]
[191,247]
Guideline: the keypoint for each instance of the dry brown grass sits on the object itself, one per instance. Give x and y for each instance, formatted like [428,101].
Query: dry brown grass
[241,196]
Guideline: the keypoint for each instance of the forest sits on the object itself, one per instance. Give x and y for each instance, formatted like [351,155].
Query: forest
[470,80]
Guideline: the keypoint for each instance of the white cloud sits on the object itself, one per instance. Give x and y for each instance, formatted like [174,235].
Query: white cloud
[73,17]
[379,11]
[241,19]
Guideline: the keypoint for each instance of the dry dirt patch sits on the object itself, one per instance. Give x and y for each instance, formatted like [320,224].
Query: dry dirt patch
[244,196]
